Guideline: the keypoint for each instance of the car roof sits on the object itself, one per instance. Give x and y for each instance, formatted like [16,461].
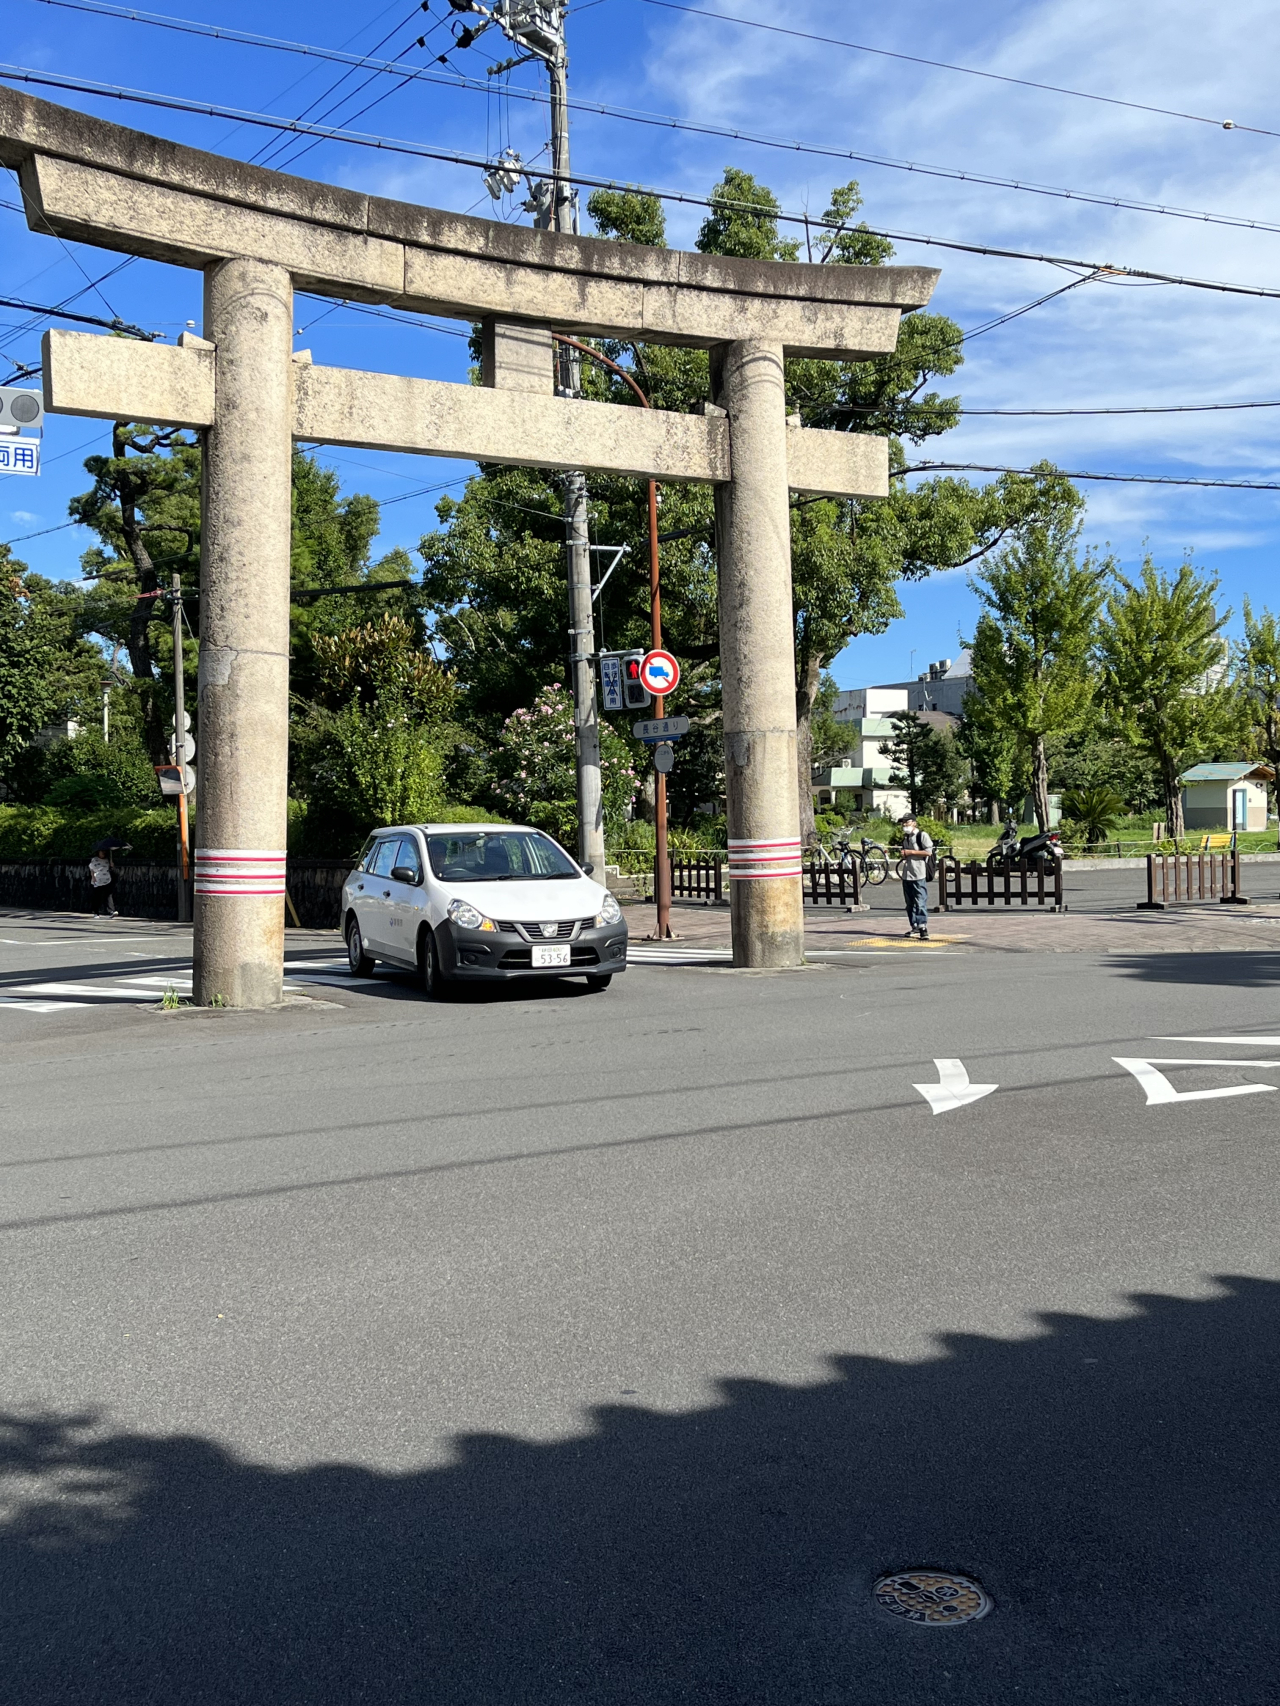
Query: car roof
[456,828]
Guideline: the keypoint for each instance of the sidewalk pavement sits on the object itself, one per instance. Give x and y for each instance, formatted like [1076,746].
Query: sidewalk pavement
[1205,928]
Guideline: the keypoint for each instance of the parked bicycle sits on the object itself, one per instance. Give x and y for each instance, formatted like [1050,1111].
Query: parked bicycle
[870,859]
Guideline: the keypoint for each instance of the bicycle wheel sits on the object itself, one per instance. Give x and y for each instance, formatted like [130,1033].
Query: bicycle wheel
[875,868]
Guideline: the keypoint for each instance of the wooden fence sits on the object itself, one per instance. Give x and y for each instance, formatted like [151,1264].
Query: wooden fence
[1027,883]
[698,876]
[1177,878]
[827,884]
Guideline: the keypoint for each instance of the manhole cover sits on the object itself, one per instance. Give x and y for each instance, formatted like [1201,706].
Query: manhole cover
[934,1597]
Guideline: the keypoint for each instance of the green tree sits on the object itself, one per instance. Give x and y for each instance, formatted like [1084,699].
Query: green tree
[927,763]
[1094,810]
[536,781]
[1032,650]
[26,662]
[145,508]
[1258,676]
[370,748]
[1098,756]
[1164,676]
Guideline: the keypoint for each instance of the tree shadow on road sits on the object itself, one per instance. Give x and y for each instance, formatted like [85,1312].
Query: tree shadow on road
[1252,969]
[1112,1482]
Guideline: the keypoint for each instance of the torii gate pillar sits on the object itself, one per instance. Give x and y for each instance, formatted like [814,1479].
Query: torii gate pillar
[244,638]
[757,659]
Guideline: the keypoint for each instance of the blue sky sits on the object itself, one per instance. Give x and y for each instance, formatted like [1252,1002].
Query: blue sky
[1103,345]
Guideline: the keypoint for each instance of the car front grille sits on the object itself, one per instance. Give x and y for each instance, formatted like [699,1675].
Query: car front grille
[551,930]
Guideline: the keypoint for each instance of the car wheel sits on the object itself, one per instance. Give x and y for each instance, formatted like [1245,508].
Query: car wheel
[601,982]
[360,962]
[435,985]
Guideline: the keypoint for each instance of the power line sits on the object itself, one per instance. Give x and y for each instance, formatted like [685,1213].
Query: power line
[117,325]
[1126,479]
[274,152]
[394,145]
[967,70]
[22,539]
[1136,409]
[666,121]
[422,324]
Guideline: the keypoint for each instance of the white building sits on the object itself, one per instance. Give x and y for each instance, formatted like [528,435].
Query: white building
[864,769]
[941,687]
[1226,796]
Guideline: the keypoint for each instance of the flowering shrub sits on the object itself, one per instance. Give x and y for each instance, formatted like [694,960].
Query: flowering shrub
[536,780]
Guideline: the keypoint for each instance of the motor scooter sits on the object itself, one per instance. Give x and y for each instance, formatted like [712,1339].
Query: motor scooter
[1042,848]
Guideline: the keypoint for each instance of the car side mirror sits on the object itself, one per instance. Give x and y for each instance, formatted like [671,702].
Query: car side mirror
[588,868]
[404,874]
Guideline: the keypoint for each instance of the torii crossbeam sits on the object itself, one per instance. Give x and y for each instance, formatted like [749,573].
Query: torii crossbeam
[258,234]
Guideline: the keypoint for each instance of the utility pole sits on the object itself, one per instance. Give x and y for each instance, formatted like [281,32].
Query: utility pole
[538,27]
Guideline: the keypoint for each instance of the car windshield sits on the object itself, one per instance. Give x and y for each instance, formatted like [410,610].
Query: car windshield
[497,857]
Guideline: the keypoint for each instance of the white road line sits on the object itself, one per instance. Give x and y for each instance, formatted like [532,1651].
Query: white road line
[1159,1090]
[1252,1042]
[101,990]
[41,1006]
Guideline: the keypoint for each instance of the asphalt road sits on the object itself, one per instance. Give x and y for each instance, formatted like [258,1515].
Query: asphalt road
[571,1349]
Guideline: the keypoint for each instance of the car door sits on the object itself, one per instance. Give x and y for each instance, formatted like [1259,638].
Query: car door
[405,902]
[373,904]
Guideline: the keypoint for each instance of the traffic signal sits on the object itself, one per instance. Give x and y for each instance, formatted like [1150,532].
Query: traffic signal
[635,695]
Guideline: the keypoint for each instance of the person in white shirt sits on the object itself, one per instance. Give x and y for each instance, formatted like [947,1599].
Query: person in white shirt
[102,879]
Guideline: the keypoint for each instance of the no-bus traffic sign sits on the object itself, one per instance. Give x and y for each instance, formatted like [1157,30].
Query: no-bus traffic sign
[660,673]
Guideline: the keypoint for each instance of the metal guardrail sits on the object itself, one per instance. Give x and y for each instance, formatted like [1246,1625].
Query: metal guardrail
[1175,879]
[1022,883]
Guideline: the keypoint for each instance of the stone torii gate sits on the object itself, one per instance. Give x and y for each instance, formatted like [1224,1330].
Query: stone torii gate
[256,235]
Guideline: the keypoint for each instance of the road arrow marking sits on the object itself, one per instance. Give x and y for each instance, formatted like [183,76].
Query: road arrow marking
[1159,1089]
[953,1089]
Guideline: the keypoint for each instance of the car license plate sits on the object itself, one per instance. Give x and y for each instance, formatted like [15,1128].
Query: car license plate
[550,954]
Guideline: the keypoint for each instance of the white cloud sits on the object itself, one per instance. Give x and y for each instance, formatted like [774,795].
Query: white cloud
[22,515]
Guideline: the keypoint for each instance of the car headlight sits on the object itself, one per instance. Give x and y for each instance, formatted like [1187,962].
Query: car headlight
[469,917]
[610,912]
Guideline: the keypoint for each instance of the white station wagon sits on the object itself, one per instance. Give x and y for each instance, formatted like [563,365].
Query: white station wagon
[480,901]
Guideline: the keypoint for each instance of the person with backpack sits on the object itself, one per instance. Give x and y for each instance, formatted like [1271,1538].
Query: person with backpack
[919,863]
[102,880]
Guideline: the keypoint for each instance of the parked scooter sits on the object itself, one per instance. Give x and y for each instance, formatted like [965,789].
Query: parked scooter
[1042,848]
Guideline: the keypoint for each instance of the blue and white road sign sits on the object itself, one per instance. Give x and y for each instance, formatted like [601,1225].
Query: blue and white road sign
[611,682]
[19,455]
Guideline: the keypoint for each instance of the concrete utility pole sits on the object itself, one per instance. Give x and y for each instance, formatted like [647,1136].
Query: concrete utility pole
[586,713]
[538,26]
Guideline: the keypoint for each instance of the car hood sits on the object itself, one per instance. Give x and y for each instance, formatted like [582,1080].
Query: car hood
[533,902]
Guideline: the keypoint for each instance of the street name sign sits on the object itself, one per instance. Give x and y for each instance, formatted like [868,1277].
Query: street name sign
[661,728]
[660,673]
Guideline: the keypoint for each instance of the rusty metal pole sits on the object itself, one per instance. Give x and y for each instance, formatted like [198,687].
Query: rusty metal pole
[662,870]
